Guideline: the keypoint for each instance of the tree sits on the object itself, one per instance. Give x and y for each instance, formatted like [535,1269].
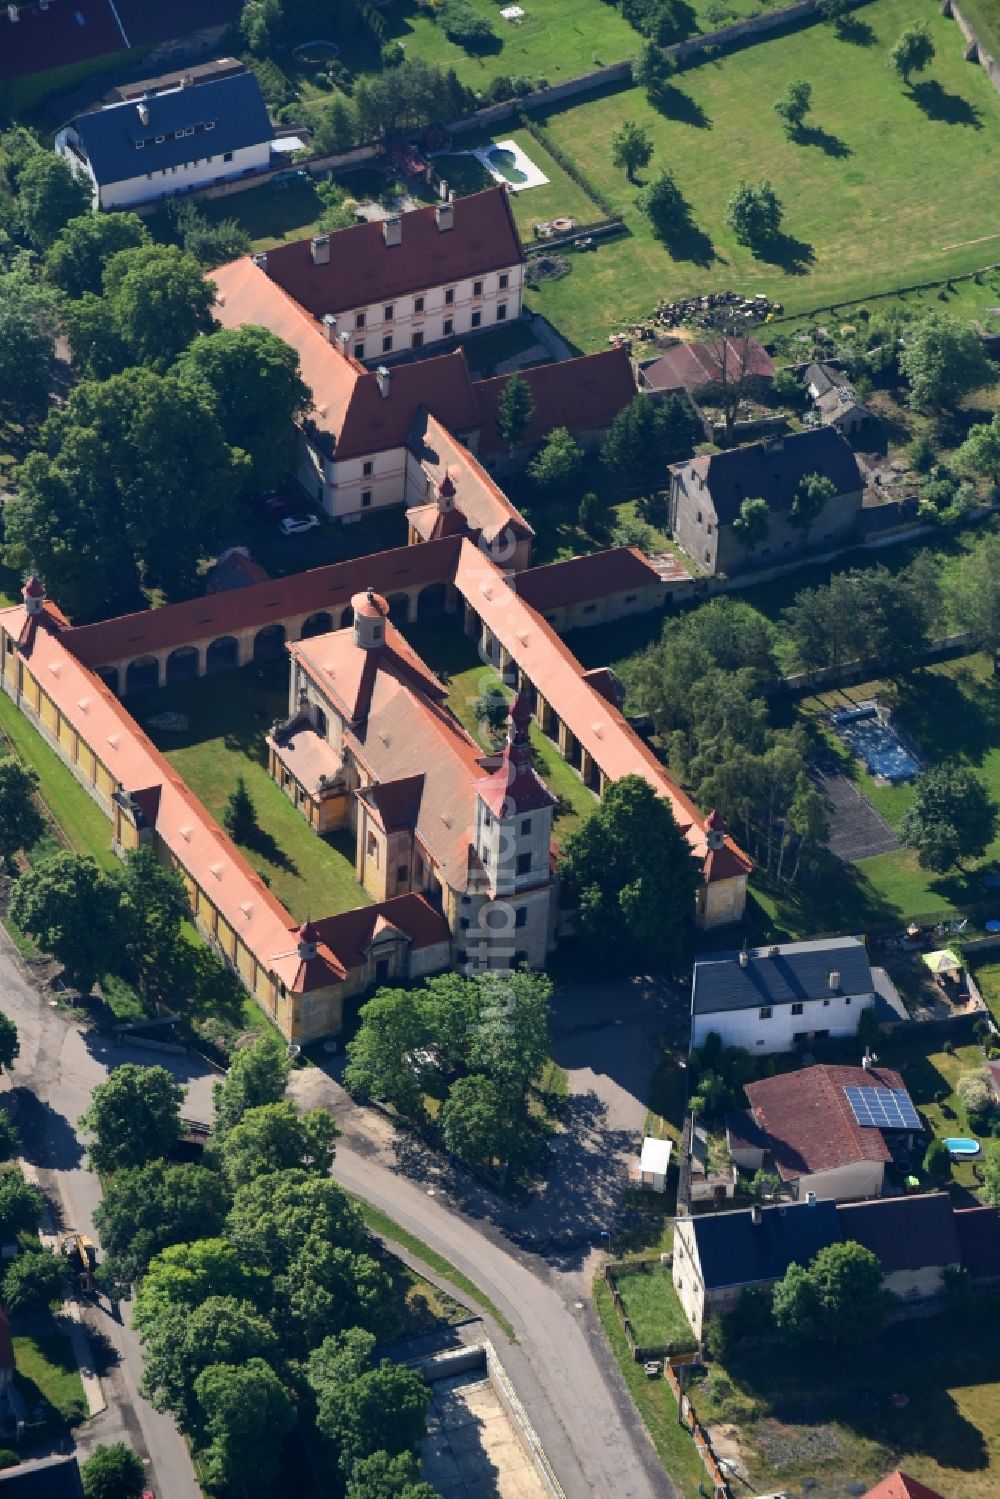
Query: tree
[937,1163]
[492,708]
[754,214]
[943,360]
[645,437]
[976,595]
[155,301]
[75,261]
[662,203]
[10,1139]
[652,70]
[980,452]
[179,1344]
[634,907]
[557,464]
[793,1305]
[794,105]
[135,1117]
[10,1046]
[379,1058]
[250,379]
[382,1476]
[334,131]
[146,1208]
[27,342]
[813,492]
[840,1298]
[276,1137]
[764,1184]
[21,822]
[20,1204]
[515,410]
[73,910]
[975,1092]
[258,1074]
[409,97]
[240,816]
[834,10]
[154,906]
[753,522]
[951,819]
[246,1413]
[464,26]
[381,1410]
[35,1281]
[477,1124]
[113,1472]
[183,1276]
[49,194]
[911,53]
[631,148]
[211,241]
[663,21]
[991,1172]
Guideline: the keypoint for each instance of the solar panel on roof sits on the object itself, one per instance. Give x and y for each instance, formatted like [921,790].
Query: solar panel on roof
[883,1108]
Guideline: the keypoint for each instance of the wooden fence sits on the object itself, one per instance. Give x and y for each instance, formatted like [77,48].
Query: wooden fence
[688,1418]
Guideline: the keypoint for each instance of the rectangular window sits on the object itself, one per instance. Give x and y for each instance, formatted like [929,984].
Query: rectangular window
[387,344]
[417,342]
[486,857]
[847,1000]
[521,916]
[368,468]
[477,288]
[501,312]
[449,327]
[387,313]
[503,281]
[708,529]
[449,297]
[700,520]
[826,1004]
[359,320]
[418,304]
[765,1012]
[366,498]
[402,872]
[523,863]
[373,848]
[463,923]
[477,319]
[630,598]
[526,827]
[227,156]
[796,1009]
[359,351]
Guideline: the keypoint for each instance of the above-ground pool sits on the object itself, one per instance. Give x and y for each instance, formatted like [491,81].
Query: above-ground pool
[957,1145]
[875,743]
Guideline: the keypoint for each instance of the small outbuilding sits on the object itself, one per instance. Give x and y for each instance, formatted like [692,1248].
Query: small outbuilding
[654,1163]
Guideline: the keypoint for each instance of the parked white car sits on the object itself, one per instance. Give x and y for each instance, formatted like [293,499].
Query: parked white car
[293,524]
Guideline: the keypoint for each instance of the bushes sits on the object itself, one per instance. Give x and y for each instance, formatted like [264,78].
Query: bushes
[462,25]
[663,21]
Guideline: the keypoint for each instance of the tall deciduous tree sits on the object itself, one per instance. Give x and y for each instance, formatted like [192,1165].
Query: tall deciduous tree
[943,360]
[813,493]
[35,1281]
[10,1046]
[134,1117]
[146,1208]
[515,410]
[951,819]
[185,1275]
[154,905]
[753,522]
[276,1137]
[21,822]
[20,1204]
[911,52]
[383,1476]
[27,342]
[663,204]
[49,194]
[634,878]
[179,1344]
[247,1412]
[75,261]
[72,908]
[976,595]
[754,213]
[113,1472]
[631,148]
[794,104]
[155,300]
[258,1074]
[980,452]
[251,380]
[839,1299]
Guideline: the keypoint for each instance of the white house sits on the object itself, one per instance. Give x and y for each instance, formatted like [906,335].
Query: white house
[410,280]
[169,142]
[768,999]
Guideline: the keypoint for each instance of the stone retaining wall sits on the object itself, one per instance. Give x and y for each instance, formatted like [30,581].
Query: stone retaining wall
[976,51]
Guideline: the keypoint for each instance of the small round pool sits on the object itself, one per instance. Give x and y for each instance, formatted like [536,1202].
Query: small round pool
[506,164]
[959,1146]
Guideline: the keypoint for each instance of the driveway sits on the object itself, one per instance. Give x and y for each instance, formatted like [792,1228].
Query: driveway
[536,1260]
[58,1066]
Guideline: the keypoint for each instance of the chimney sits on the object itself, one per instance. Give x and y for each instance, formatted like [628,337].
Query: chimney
[756,1216]
[383,377]
[143,110]
[811,1199]
[392,230]
[261,260]
[774,952]
[329,327]
[834,980]
[33,594]
[866,1060]
[744,958]
[319,249]
[445,215]
[344,339]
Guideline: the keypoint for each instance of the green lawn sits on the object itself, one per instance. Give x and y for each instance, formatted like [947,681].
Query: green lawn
[230,714]
[930,1077]
[984,18]
[651,1306]
[829,1424]
[888,188]
[84,824]
[48,1378]
[272,214]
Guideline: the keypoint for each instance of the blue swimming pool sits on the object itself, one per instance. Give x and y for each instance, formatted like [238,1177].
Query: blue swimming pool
[959,1146]
[876,744]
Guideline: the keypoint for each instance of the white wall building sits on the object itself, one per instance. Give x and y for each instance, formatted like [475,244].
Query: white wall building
[170,142]
[769,999]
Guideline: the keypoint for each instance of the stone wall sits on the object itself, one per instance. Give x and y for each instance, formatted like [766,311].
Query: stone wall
[976,52]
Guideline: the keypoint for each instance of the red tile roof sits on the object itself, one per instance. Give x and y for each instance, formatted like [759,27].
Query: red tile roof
[362,269]
[899,1486]
[347,672]
[580,579]
[479,498]
[350,934]
[809,1123]
[584,394]
[690,366]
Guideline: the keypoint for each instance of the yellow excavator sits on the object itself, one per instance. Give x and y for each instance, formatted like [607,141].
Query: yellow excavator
[81,1252]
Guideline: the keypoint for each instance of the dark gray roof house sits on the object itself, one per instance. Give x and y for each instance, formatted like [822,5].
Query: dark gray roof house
[49,1478]
[756,1248]
[780,975]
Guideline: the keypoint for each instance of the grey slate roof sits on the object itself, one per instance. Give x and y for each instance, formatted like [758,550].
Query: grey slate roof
[774,473]
[233,107]
[904,1233]
[51,1478]
[799,971]
[734,1251]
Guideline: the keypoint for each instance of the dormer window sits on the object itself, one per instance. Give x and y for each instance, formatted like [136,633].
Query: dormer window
[160,139]
[139,145]
[209,124]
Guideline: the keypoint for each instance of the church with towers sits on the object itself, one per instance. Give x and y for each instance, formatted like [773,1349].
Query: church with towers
[370,746]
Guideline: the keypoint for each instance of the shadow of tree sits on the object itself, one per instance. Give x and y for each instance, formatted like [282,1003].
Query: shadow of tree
[938,104]
[859,33]
[674,104]
[685,241]
[794,256]
[830,145]
[261,842]
[48,1139]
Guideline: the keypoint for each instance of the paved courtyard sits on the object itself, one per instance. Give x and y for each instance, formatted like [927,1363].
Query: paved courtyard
[471,1451]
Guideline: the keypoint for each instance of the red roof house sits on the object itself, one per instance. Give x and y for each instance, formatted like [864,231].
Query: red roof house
[899,1486]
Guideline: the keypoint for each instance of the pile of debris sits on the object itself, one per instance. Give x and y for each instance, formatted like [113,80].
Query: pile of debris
[716,310]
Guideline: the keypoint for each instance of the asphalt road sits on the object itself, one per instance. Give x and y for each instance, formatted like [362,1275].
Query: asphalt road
[57,1067]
